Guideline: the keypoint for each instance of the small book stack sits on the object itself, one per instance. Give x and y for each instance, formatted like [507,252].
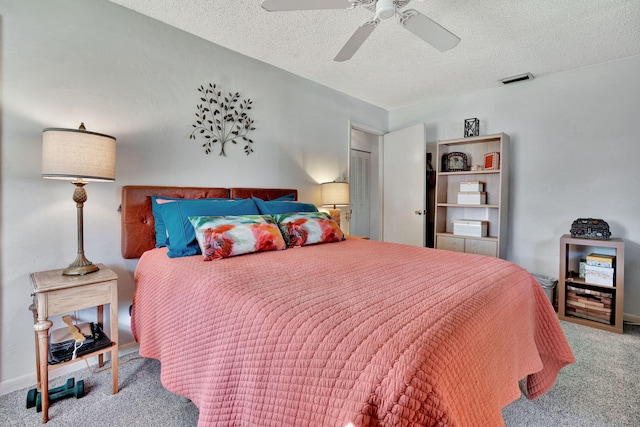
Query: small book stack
[589,304]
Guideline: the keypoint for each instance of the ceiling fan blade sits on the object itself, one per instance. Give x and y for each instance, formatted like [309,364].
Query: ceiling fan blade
[428,30]
[285,5]
[356,40]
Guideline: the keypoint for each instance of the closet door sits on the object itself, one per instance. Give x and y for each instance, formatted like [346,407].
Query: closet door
[404,186]
[360,224]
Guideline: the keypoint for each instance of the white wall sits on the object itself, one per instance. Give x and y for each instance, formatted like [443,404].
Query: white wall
[575,152]
[129,76]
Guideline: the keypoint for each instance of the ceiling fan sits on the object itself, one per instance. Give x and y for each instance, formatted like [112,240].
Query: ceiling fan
[414,21]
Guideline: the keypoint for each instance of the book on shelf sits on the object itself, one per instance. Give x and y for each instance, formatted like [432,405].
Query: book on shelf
[594,314]
[588,306]
[601,294]
[589,316]
[591,301]
[600,260]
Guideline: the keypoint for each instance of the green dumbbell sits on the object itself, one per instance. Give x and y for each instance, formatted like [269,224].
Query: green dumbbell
[77,391]
[32,395]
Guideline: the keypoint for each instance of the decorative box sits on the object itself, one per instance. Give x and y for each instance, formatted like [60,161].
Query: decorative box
[600,260]
[472,198]
[492,160]
[472,186]
[590,228]
[467,227]
[598,275]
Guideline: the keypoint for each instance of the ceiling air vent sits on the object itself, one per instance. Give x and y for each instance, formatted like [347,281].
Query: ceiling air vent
[518,78]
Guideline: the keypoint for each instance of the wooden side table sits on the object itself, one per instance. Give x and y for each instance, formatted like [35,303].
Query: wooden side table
[55,294]
[572,250]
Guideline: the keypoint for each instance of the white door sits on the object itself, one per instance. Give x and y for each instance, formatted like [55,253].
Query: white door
[404,186]
[359,192]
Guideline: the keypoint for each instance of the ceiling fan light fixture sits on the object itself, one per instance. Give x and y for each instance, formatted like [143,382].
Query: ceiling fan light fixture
[385,9]
[412,20]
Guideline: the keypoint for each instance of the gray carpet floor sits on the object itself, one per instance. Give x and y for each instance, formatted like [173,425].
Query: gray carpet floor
[601,390]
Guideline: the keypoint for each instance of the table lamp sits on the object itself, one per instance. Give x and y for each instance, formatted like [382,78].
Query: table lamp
[335,194]
[79,156]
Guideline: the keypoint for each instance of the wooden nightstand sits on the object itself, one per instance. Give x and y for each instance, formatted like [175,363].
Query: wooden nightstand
[58,294]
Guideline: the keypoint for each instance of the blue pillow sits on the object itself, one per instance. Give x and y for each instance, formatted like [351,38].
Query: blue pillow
[282,206]
[291,197]
[158,222]
[182,237]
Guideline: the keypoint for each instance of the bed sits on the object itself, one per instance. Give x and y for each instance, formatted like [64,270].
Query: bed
[350,333]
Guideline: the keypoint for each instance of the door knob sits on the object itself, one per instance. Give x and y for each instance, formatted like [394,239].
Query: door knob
[420,212]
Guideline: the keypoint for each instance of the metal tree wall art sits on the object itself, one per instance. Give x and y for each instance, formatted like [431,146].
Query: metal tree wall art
[222,119]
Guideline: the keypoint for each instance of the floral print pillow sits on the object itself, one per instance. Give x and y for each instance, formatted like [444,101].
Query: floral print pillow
[308,228]
[227,236]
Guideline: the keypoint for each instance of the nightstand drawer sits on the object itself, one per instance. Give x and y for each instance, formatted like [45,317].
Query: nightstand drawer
[65,300]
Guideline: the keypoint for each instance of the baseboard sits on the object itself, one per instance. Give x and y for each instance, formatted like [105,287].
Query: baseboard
[631,318]
[29,380]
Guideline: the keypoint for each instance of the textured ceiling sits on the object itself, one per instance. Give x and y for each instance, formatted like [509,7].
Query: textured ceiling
[394,68]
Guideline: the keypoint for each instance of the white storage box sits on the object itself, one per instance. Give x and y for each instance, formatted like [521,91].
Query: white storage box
[598,275]
[468,227]
[472,198]
[472,186]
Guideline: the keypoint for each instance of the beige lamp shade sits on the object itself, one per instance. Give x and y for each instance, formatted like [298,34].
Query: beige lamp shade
[335,193]
[74,153]
[80,156]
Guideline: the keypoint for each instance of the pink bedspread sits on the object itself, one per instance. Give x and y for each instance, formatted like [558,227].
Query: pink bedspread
[355,333]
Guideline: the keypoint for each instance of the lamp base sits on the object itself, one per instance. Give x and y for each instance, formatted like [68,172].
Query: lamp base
[80,267]
[335,215]
[80,271]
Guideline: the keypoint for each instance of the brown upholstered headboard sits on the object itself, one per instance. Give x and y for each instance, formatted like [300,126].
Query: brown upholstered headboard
[138,232]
